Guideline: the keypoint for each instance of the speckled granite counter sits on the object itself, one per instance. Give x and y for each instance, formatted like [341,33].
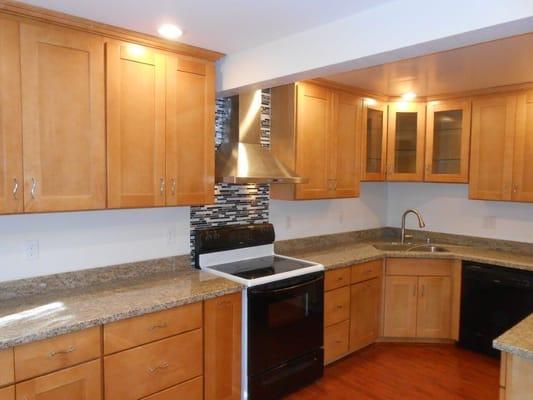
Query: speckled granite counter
[518,340]
[27,319]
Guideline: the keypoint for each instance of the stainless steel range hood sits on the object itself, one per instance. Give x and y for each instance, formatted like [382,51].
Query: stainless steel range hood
[241,158]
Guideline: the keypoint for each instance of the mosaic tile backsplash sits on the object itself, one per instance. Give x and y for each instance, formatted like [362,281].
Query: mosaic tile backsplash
[235,204]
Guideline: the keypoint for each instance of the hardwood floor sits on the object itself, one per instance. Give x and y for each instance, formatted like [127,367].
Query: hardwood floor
[387,371]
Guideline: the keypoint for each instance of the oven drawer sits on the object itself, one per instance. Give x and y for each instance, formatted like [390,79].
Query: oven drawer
[336,306]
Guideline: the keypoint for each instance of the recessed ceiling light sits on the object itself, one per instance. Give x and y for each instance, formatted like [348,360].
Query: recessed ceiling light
[408,96]
[170,31]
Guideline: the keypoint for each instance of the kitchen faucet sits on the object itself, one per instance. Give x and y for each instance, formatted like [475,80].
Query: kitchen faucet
[421,223]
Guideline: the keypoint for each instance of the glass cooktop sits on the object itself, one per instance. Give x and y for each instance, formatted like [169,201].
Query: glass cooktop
[259,267]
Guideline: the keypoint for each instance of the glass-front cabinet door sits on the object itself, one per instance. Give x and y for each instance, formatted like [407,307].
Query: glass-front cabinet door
[405,146]
[448,141]
[374,140]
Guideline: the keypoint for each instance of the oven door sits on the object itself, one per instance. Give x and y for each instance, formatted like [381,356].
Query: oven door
[285,321]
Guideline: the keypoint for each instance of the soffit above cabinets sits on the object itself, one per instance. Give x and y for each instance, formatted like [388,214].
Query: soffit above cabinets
[226,26]
[486,65]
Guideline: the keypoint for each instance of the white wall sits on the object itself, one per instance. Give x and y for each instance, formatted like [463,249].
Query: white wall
[446,208]
[74,241]
[294,219]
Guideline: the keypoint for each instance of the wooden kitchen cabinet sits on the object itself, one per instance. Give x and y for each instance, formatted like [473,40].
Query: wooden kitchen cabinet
[63,119]
[448,141]
[365,300]
[400,306]
[222,341]
[374,140]
[491,157]
[135,126]
[515,377]
[11,178]
[522,189]
[7,374]
[434,307]
[82,382]
[336,306]
[336,341]
[315,131]
[419,300]
[190,126]
[405,142]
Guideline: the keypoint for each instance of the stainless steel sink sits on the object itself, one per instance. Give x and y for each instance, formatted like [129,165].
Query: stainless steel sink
[410,247]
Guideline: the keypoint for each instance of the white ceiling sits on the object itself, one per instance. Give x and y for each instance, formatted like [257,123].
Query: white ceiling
[491,64]
[222,25]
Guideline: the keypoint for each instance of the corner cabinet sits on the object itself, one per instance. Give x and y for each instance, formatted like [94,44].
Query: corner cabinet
[502,147]
[374,140]
[405,144]
[160,122]
[448,141]
[315,132]
[11,177]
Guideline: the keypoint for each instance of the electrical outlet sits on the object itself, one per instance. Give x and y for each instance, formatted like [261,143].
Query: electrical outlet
[31,250]
[171,237]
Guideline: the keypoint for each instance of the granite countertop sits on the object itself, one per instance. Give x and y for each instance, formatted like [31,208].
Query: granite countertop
[27,319]
[518,340]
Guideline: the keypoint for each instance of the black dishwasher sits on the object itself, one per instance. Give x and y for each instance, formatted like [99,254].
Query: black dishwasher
[493,299]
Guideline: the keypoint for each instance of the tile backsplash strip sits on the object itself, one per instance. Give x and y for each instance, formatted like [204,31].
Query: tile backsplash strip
[235,204]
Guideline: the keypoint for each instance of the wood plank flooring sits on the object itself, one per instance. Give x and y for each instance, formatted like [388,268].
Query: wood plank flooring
[392,371]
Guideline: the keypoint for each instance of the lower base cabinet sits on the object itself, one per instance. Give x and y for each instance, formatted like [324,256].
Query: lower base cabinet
[365,300]
[83,382]
[515,377]
[7,393]
[191,390]
[336,341]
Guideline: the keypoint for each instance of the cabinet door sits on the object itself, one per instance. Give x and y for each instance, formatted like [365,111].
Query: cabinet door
[491,155]
[7,393]
[63,119]
[313,142]
[11,190]
[344,159]
[83,382]
[222,347]
[523,151]
[190,132]
[135,126]
[374,140]
[336,341]
[400,306]
[434,307]
[448,141]
[336,306]
[405,145]
[364,313]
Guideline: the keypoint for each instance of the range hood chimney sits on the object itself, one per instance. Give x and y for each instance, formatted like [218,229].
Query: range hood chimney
[241,158]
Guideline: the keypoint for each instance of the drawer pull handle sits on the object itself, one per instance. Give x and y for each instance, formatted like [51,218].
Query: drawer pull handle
[340,306]
[15,188]
[163,365]
[158,326]
[338,341]
[71,349]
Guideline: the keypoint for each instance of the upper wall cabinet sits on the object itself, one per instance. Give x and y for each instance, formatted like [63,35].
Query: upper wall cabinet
[135,126]
[374,140]
[63,119]
[190,129]
[522,189]
[11,178]
[405,144]
[491,158]
[314,132]
[447,141]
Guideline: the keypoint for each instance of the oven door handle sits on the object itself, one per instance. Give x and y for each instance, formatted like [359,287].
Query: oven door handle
[288,289]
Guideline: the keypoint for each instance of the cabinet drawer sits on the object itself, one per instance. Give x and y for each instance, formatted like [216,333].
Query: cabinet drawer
[419,267]
[336,306]
[49,355]
[133,332]
[366,271]
[336,341]
[337,278]
[190,390]
[147,369]
[6,367]
[82,382]
[7,393]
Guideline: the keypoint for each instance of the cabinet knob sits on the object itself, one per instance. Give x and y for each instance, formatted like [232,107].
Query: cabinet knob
[515,188]
[173,186]
[162,186]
